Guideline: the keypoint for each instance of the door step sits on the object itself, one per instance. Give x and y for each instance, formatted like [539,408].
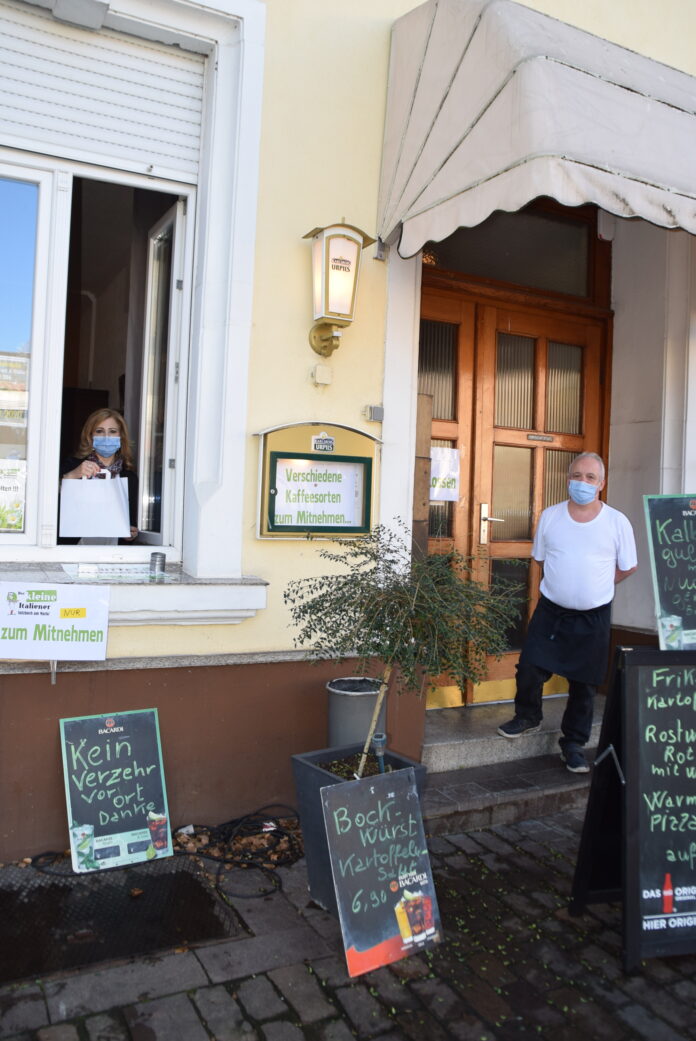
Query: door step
[482,796]
[464,737]
[477,778]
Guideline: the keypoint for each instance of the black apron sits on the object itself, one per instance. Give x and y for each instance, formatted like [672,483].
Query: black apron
[573,644]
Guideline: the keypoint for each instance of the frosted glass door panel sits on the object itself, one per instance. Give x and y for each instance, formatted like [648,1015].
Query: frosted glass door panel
[437,366]
[441,514]
[516,572]
[514,385]
[556,476]
[512,493]
[564,388]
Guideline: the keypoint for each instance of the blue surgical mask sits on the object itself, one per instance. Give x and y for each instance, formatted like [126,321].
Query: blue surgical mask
[106,446]
[581,492]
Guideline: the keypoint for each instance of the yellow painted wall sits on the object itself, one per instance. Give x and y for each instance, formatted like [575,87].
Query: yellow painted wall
[323,112]
[663,31]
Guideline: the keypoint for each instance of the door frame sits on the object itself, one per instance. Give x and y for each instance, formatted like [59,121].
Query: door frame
[455,298]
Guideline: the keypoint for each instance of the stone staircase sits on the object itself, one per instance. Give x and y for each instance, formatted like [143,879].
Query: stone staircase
[477,778]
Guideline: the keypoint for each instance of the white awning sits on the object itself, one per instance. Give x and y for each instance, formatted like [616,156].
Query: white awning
[491,105]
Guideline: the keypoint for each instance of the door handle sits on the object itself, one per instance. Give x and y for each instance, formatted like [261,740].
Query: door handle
[483,526]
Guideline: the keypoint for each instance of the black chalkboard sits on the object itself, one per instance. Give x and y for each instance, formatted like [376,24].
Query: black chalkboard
[671,521]
[381,869]
[114,789]
[598,874]
[660,723]
[651,727]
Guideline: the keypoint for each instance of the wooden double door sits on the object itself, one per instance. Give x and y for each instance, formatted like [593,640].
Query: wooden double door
[518,391]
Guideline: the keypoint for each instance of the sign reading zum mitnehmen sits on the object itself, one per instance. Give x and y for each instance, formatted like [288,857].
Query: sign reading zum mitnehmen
[53,622]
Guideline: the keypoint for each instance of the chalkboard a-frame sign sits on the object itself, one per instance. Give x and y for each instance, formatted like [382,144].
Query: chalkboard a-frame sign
[639,837]
[671,521]
[114,789]
[381,869]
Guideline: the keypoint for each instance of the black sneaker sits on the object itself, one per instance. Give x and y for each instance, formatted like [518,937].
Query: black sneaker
[575,760]
[518,726]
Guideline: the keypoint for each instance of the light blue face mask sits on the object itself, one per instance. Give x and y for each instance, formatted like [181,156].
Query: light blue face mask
[581,492]
[106,446]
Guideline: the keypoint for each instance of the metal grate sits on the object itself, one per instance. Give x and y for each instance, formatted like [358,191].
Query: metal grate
[59,920]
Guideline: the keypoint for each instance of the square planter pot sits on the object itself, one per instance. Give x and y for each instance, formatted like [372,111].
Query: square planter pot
[310,778]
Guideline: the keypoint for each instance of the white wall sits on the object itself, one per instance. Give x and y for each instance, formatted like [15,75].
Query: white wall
[654,336]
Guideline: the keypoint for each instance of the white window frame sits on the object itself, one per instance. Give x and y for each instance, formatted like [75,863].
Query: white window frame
[221,232]
[38,542]
[43,344]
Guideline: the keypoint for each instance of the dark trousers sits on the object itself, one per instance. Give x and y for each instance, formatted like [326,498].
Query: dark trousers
[577,718]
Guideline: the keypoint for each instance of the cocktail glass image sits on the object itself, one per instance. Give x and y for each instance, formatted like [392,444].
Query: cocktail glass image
[416,915]
[671,630]
[82,837]
[157,825]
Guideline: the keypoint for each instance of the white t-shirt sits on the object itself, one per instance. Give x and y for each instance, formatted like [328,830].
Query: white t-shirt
[580,559]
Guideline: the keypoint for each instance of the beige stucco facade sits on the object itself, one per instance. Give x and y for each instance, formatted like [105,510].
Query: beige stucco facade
[324,92]
[293,112]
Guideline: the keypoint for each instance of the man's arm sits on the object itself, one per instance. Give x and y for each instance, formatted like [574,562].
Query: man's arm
[621,575]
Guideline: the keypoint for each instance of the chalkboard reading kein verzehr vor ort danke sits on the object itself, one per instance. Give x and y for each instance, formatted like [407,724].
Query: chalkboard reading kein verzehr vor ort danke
[115,791]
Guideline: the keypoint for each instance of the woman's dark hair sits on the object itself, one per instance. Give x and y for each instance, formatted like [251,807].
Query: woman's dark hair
[92,422]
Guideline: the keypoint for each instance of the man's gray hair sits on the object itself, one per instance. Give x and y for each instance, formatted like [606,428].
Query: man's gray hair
[590,455]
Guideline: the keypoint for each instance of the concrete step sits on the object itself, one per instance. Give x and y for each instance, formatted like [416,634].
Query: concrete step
[465,737]
[476,778]
[456,801]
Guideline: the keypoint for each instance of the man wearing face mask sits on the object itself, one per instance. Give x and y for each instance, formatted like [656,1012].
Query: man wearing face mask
[585,548]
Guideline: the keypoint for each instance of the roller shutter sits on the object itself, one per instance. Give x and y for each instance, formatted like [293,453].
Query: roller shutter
[102,97]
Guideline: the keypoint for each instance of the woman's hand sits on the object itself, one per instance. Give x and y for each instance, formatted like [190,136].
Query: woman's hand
[87,468]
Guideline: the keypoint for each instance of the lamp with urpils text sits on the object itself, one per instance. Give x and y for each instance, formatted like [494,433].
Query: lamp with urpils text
[335,264]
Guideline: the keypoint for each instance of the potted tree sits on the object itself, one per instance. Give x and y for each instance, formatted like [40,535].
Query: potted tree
[410,614]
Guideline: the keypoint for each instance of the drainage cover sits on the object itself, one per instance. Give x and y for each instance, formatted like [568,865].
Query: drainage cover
[59,920]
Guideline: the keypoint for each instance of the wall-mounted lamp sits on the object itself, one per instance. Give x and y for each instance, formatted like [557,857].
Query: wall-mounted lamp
[335,265]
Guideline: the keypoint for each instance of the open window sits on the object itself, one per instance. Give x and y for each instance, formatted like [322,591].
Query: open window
[123,317]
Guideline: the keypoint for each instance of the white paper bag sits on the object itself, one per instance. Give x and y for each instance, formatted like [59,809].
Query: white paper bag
[96,508]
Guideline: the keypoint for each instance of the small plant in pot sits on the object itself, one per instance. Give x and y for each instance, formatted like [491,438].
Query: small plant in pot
[413,615]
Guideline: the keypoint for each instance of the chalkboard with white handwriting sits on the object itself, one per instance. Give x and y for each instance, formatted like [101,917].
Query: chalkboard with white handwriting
[638,842]
[671,521]
[660,734]
[114,789]
[381,869]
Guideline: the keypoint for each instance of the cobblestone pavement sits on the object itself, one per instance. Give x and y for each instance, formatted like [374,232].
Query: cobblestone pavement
[514,965]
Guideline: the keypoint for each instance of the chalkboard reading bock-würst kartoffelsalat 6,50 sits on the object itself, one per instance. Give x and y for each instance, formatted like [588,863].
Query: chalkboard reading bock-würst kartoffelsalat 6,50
[114,788]
[381,869]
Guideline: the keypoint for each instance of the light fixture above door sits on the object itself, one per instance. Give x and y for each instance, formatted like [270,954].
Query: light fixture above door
[336,253]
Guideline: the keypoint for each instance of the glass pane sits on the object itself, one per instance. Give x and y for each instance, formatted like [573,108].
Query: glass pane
[556,476]
[528,249]
[517,572]
[155,381]
[563,388]
[437,366]
[441,514]
[512,493]
[18,216]
[514,381]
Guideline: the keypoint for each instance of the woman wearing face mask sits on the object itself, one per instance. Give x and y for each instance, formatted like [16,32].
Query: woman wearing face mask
[105,446]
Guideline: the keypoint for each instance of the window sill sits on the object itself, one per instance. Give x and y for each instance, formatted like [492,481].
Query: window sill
[135,599]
